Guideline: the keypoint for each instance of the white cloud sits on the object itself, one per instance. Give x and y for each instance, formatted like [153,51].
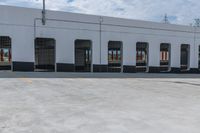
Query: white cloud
[179,11]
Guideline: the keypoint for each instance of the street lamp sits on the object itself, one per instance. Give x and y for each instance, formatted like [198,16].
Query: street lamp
[44,13]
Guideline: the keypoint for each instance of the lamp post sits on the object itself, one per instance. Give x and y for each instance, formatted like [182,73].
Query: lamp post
[44,13]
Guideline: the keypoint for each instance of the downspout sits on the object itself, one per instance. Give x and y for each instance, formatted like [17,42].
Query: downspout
[100,36]
[44,13]
[195,28]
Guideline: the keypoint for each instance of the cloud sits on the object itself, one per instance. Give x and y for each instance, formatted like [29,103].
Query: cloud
[179,11]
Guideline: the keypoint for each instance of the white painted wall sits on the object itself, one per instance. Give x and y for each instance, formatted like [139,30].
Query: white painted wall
[18,23]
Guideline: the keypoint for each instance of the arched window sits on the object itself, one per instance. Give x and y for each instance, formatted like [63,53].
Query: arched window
[45,54]
[185,57]
[5,53]
[115,56]
[165,56]
[142,52]
[83,56]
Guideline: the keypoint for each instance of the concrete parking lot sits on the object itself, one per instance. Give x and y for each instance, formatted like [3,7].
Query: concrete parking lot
[99,103]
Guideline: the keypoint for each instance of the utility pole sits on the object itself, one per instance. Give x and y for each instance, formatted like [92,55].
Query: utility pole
[197,22]
[44,13]
[165,20]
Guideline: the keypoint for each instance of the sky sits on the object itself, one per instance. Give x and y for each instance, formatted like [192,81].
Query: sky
[178,11]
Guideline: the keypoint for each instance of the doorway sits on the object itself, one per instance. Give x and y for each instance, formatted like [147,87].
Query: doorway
[142,53]
[5,53]
[115,56]
[45,54]
[199,57]
[83,56]
[185,57]
[165,57]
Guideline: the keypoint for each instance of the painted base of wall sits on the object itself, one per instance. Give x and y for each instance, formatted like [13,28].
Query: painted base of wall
[194,70]
[154,69]
[164,69]
[129,69]
[5,67]
[100,68]
[175,70]
[114,70]
[23,66]
[49,67]
[63,67]
[82,69]
[141,69]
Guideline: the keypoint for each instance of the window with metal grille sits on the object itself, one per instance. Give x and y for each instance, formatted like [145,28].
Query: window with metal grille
[185,55]
[141,54]
[83,55]
[199,57]
[5,51]
[165,57]
[45,54]
[114,56]
[164,54]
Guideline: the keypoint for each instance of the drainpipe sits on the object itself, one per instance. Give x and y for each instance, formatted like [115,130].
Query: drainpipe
[100,35]
[195,33]
[44,13]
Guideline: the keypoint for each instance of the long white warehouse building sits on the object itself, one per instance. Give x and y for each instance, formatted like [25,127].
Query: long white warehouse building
[71,42]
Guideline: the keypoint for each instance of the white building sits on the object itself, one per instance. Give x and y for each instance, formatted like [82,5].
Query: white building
[72,42]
